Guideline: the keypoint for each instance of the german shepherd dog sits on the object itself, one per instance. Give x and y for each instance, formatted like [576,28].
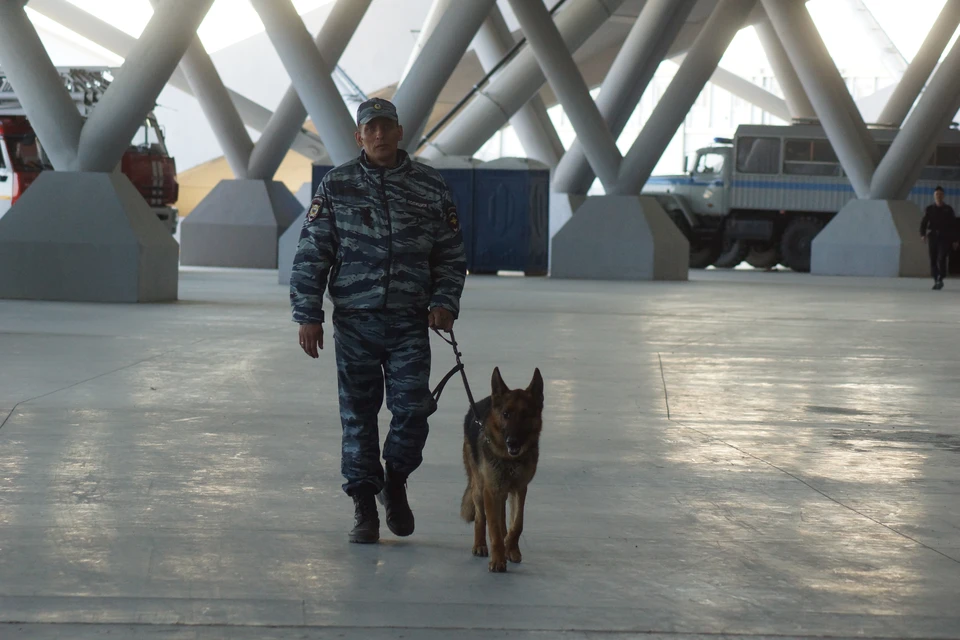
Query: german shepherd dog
[501,459]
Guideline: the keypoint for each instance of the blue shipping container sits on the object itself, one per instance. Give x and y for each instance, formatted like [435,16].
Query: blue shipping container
[458,173]
[511,216]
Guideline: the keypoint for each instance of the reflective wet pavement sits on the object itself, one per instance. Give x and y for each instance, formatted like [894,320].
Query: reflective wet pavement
[753,454]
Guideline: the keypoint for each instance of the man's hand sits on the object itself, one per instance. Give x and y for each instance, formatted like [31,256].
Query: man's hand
[924,236]
[440,318]
[311,337]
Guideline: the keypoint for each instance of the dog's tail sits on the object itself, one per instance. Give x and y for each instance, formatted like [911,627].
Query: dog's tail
[468,510]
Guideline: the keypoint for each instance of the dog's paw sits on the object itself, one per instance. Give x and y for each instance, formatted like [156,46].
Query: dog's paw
[498,565]
[513,555]
[480,551]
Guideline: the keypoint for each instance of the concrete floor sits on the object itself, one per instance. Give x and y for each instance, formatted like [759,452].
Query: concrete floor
[752,454]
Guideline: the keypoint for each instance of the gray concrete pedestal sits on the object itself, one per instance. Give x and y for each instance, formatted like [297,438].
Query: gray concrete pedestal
[238,225]
[562,208]
[304,194]
[290,240]
[86,237]
[287,249]
[872,238]
[620,238]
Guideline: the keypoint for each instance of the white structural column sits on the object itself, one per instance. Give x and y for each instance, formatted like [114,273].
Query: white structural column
[286,122]
[118,115]
[39,86]
[87,25]
[117,248]
[834,106]
[437,9]
[907,156]
[890,56]
[641,53]
[121,44]
[797,101]
[440,55]
[310,75]
[217,107]
[701,60]
[922,65]
[532,122]
[562,73]
[239,223]
[746,90]
[519,80]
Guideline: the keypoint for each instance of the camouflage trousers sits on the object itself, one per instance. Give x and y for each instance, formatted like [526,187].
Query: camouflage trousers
[377,349]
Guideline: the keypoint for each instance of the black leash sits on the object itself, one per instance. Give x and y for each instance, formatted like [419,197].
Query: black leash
[459,367]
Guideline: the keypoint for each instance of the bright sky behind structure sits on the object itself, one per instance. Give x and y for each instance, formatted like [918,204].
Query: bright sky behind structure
[230,21]
[227,22]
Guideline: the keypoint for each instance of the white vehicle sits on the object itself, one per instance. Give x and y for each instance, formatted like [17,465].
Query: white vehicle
[764,195]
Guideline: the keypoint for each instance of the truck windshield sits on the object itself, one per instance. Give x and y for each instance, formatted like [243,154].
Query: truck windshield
[710,163]
[26,153]
[150,136]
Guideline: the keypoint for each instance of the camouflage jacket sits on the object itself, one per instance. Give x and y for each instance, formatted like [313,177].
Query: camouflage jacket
[386,238]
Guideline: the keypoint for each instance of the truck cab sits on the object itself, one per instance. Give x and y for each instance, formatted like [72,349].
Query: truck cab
[698,199]
[709,171]
[702,186]
[21,159]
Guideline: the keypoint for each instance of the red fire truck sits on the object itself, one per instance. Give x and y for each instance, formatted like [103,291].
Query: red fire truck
[146,162]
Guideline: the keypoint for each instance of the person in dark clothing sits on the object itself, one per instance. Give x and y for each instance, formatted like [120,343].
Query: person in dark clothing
[383,237]
[936,229]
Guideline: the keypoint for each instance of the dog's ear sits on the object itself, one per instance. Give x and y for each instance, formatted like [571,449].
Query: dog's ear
[536,386]
[496,383]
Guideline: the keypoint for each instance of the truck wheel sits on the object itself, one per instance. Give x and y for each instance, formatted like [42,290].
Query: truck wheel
[703,253]
[797,241]
[732,253]
[763,256]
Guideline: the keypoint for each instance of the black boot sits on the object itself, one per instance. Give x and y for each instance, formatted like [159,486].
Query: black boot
[394,499]
[366,524]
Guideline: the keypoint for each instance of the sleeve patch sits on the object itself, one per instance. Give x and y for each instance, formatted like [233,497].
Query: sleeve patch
[453,220]
[316,208]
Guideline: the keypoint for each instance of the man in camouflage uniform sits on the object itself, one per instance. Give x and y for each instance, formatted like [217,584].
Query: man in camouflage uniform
[384,229]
